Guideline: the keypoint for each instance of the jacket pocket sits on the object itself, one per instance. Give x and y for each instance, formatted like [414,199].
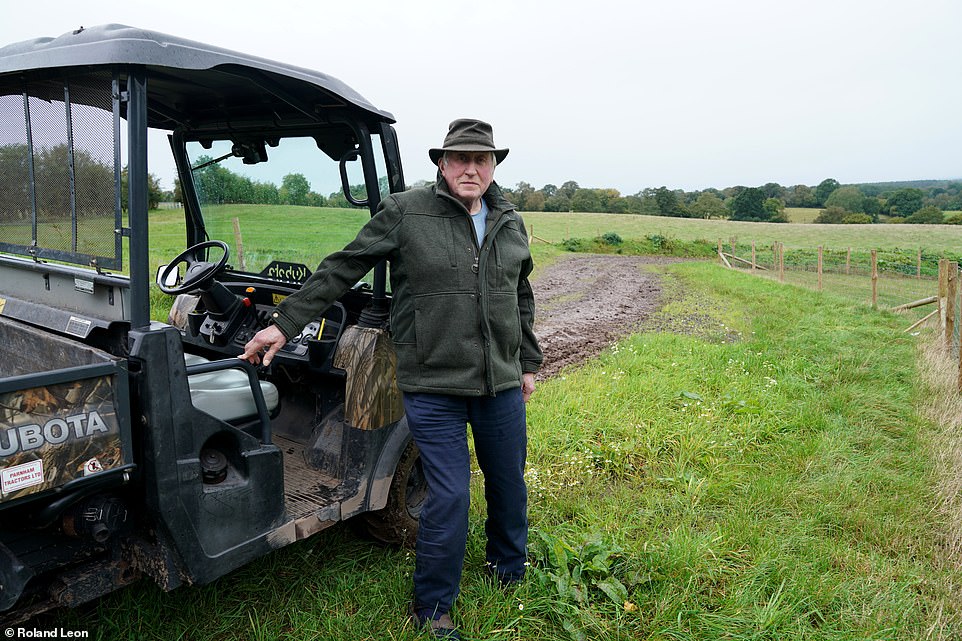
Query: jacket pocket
[448,336]
[505,322]
[509,252]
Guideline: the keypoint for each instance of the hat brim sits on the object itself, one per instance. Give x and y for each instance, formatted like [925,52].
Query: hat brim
[435,154]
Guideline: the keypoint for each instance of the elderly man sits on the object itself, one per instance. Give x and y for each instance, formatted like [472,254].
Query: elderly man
[462,322]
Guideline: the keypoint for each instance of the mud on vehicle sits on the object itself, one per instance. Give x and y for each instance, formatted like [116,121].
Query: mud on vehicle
[132,446]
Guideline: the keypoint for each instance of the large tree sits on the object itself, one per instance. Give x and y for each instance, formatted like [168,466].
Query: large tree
[850,199]
[831,216]
[519,195]
[800,196]
[708,205]
[825,189]
[904,202]
[775,209]
[568,188]
[294,189]
[927,216]
[535,201]
[586,200]
[773,190]
[667,201]
[749,204]
[558,202]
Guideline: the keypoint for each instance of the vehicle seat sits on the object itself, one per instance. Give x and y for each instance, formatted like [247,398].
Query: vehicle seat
[226,394]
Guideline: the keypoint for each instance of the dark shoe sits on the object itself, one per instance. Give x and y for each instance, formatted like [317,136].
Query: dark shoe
[441,628]
[506,579]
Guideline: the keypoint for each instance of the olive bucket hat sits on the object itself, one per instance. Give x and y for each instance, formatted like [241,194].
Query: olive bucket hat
[465,134]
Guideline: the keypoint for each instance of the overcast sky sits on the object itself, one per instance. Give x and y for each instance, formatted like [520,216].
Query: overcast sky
[626,94]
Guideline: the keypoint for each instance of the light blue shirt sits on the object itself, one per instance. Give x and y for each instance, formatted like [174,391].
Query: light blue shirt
[480,220]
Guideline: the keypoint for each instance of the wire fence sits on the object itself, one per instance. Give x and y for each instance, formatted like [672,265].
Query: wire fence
[920,285]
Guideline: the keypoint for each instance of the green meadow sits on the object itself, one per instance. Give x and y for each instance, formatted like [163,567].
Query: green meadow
[555,227]
[773,473]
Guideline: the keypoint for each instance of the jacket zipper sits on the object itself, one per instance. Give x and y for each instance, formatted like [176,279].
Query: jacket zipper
[480,288]
[482,300]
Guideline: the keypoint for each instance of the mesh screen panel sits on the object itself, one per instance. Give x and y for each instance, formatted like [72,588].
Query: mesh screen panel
[64,134]
[93,157]
[16,210]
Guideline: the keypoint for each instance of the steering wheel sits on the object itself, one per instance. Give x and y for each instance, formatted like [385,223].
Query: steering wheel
[199,272]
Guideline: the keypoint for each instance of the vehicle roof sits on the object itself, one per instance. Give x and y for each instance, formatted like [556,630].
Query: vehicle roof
[191,82]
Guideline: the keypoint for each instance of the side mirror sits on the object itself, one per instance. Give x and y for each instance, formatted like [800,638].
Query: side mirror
[172,278]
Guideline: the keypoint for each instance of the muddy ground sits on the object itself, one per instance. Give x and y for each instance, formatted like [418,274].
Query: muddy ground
[585,302]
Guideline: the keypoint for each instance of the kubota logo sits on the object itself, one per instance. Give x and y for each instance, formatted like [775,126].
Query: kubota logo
[54,431]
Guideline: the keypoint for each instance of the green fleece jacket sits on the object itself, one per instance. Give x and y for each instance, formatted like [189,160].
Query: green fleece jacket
[462,316]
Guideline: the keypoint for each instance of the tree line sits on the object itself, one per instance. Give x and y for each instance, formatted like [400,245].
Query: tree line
[866,203]
[921,202]
[91,192]
[218,185]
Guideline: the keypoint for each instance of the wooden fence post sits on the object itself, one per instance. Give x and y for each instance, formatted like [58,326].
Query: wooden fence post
[918,266]
[753,256]
[951,293]
[775,257]
[943,287]
[720,257]
[239,243]
[874,279]
[848,262]
[781,262]
[819,268]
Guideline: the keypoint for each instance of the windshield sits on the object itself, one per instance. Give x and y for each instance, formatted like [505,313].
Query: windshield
[285,207]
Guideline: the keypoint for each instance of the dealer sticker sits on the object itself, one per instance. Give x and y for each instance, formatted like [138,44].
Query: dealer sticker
[21,476]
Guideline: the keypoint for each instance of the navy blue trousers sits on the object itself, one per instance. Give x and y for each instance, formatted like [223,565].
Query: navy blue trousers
[438,423]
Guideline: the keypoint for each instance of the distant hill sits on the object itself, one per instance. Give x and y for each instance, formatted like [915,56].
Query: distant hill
[907,184]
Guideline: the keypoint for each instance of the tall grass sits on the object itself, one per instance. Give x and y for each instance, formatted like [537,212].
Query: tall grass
[751,465]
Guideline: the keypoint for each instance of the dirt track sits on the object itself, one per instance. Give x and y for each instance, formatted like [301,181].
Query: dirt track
[586,301]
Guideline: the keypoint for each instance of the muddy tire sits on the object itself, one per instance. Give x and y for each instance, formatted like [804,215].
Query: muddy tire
[397,523]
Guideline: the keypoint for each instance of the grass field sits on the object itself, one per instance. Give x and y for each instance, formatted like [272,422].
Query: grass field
[809,214]
[802,214]
[554,227]
[750,465]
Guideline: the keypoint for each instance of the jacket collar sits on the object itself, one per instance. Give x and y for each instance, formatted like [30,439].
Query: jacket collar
[497,203]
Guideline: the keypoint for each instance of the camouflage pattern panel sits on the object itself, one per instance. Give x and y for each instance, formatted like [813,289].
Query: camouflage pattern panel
[184,305]
[372,398]
[53,434]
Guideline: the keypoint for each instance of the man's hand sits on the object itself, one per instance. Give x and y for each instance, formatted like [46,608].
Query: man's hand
[270,338]
[527,386]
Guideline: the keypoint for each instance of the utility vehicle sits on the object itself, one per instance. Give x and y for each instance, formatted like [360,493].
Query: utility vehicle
[133,441]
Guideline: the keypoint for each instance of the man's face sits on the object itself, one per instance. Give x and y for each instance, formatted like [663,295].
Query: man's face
[468,174]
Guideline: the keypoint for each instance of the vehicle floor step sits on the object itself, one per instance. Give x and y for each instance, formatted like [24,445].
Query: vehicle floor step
[307,490]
